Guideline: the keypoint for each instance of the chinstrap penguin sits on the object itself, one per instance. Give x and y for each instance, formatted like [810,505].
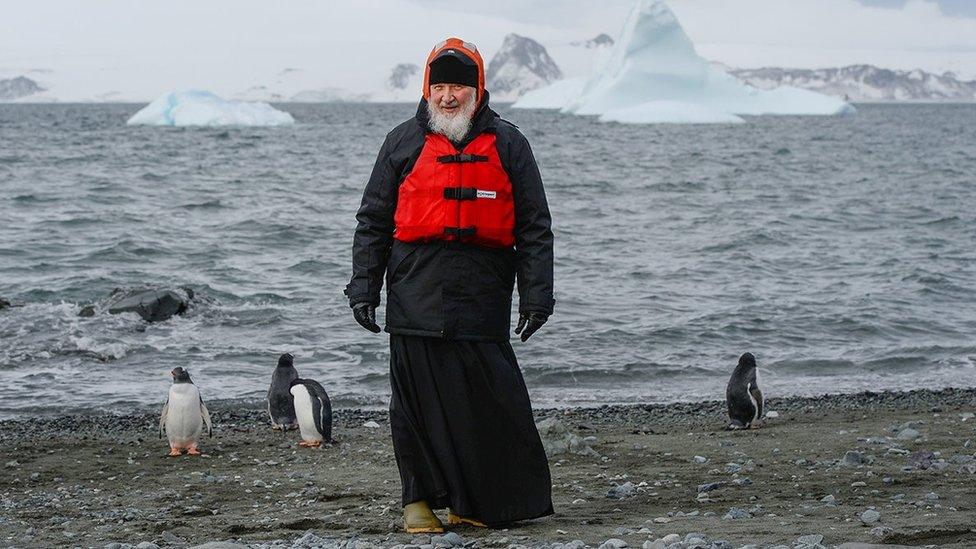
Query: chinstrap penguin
[314,411]
[184,416]
[281,407]
[743,396]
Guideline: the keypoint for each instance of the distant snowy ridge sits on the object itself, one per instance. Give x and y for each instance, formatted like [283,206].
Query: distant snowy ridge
[203,108]
[654,75]
[864,83]
[602,40]
[520,65]
[17,88]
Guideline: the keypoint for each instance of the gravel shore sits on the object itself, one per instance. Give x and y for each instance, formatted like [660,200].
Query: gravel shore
[870,468]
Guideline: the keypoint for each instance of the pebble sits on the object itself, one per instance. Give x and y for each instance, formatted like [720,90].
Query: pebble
[613,543]
[147,545]
[736,513]
[709,486]
[12,464]
[662,520]
[908,434]
[870,517]
[670,538]
[853,458]
[700,459]
[809,540]
[371,425]
[622,491]
[450,539]
[772,414]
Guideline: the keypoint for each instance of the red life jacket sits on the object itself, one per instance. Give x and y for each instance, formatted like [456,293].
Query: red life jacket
[453,196]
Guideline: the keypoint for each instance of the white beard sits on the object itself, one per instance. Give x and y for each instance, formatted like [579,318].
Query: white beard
[452,127]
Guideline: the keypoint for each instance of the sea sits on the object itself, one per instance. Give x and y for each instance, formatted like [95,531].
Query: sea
[840,251]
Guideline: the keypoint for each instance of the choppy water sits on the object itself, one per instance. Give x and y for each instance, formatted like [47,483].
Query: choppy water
[841,251]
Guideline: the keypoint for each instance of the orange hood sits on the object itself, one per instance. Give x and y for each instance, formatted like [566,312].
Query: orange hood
[468,49]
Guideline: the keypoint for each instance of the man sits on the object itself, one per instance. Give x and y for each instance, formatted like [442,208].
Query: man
[453,213]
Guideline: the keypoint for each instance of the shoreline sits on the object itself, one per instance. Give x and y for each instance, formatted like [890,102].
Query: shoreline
[640,473]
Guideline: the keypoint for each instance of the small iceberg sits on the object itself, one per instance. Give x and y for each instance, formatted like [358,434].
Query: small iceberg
[654,75]
[204,108]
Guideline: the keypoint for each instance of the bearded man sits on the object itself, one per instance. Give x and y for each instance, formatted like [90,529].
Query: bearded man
[453,214]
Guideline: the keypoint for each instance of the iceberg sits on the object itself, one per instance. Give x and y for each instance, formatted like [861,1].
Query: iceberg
[204,108]
[654,75]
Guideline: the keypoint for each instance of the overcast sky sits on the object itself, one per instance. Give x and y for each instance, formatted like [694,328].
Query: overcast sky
[143,48]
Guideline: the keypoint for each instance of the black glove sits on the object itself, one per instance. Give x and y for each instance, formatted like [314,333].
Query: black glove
[529,323]
[365,315]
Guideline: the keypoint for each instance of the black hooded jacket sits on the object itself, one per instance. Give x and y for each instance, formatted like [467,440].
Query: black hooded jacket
[445,289]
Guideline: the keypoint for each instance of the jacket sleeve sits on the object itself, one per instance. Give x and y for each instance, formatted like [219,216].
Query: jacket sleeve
[533,231]
[374,231]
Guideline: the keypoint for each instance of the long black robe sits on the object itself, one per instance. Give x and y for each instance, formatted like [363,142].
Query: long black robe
[463,430]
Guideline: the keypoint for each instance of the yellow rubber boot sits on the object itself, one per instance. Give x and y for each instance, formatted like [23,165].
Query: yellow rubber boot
[455,519]
[419,519]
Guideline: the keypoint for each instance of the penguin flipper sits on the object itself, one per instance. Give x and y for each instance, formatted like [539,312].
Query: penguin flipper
[162,418]
[758,398]
[321,409]
[206,417]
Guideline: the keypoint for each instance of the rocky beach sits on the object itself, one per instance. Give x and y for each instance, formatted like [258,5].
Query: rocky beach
[893,468]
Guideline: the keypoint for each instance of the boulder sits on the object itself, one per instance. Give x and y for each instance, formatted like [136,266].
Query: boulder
[152,305]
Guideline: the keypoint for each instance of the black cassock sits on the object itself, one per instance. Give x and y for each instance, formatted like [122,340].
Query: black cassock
[462,422]
[463,430]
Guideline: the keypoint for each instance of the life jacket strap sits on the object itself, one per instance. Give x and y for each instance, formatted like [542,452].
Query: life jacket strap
[464,157]
[460,232]
[460,193]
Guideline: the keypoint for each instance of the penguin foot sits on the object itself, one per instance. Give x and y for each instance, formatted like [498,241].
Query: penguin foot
[310,443]
[737,426]
[192,451]
[174,452]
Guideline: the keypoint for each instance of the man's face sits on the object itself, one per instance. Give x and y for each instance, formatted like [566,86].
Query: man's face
[449,98]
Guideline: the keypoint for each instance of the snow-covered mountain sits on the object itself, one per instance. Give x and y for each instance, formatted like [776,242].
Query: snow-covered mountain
[401,75]
[16,88]
[864,83]
[520,65]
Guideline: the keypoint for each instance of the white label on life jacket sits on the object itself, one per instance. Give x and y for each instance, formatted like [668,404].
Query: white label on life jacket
[487,194]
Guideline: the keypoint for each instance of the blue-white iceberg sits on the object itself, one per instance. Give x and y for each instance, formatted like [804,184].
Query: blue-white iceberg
[654,75]
[203,108]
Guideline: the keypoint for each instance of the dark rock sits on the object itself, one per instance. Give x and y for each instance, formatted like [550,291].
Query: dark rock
[4,304]
[151,305]
[87,311]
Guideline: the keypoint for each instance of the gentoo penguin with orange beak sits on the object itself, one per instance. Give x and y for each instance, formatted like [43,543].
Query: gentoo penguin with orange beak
[185,416]
[314,411]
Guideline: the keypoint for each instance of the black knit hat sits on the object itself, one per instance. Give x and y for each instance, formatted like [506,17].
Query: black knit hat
[453,67]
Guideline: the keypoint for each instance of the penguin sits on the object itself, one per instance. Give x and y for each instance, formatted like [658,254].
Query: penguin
[743,396]
[314,412]
[281,408]
[184,416]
